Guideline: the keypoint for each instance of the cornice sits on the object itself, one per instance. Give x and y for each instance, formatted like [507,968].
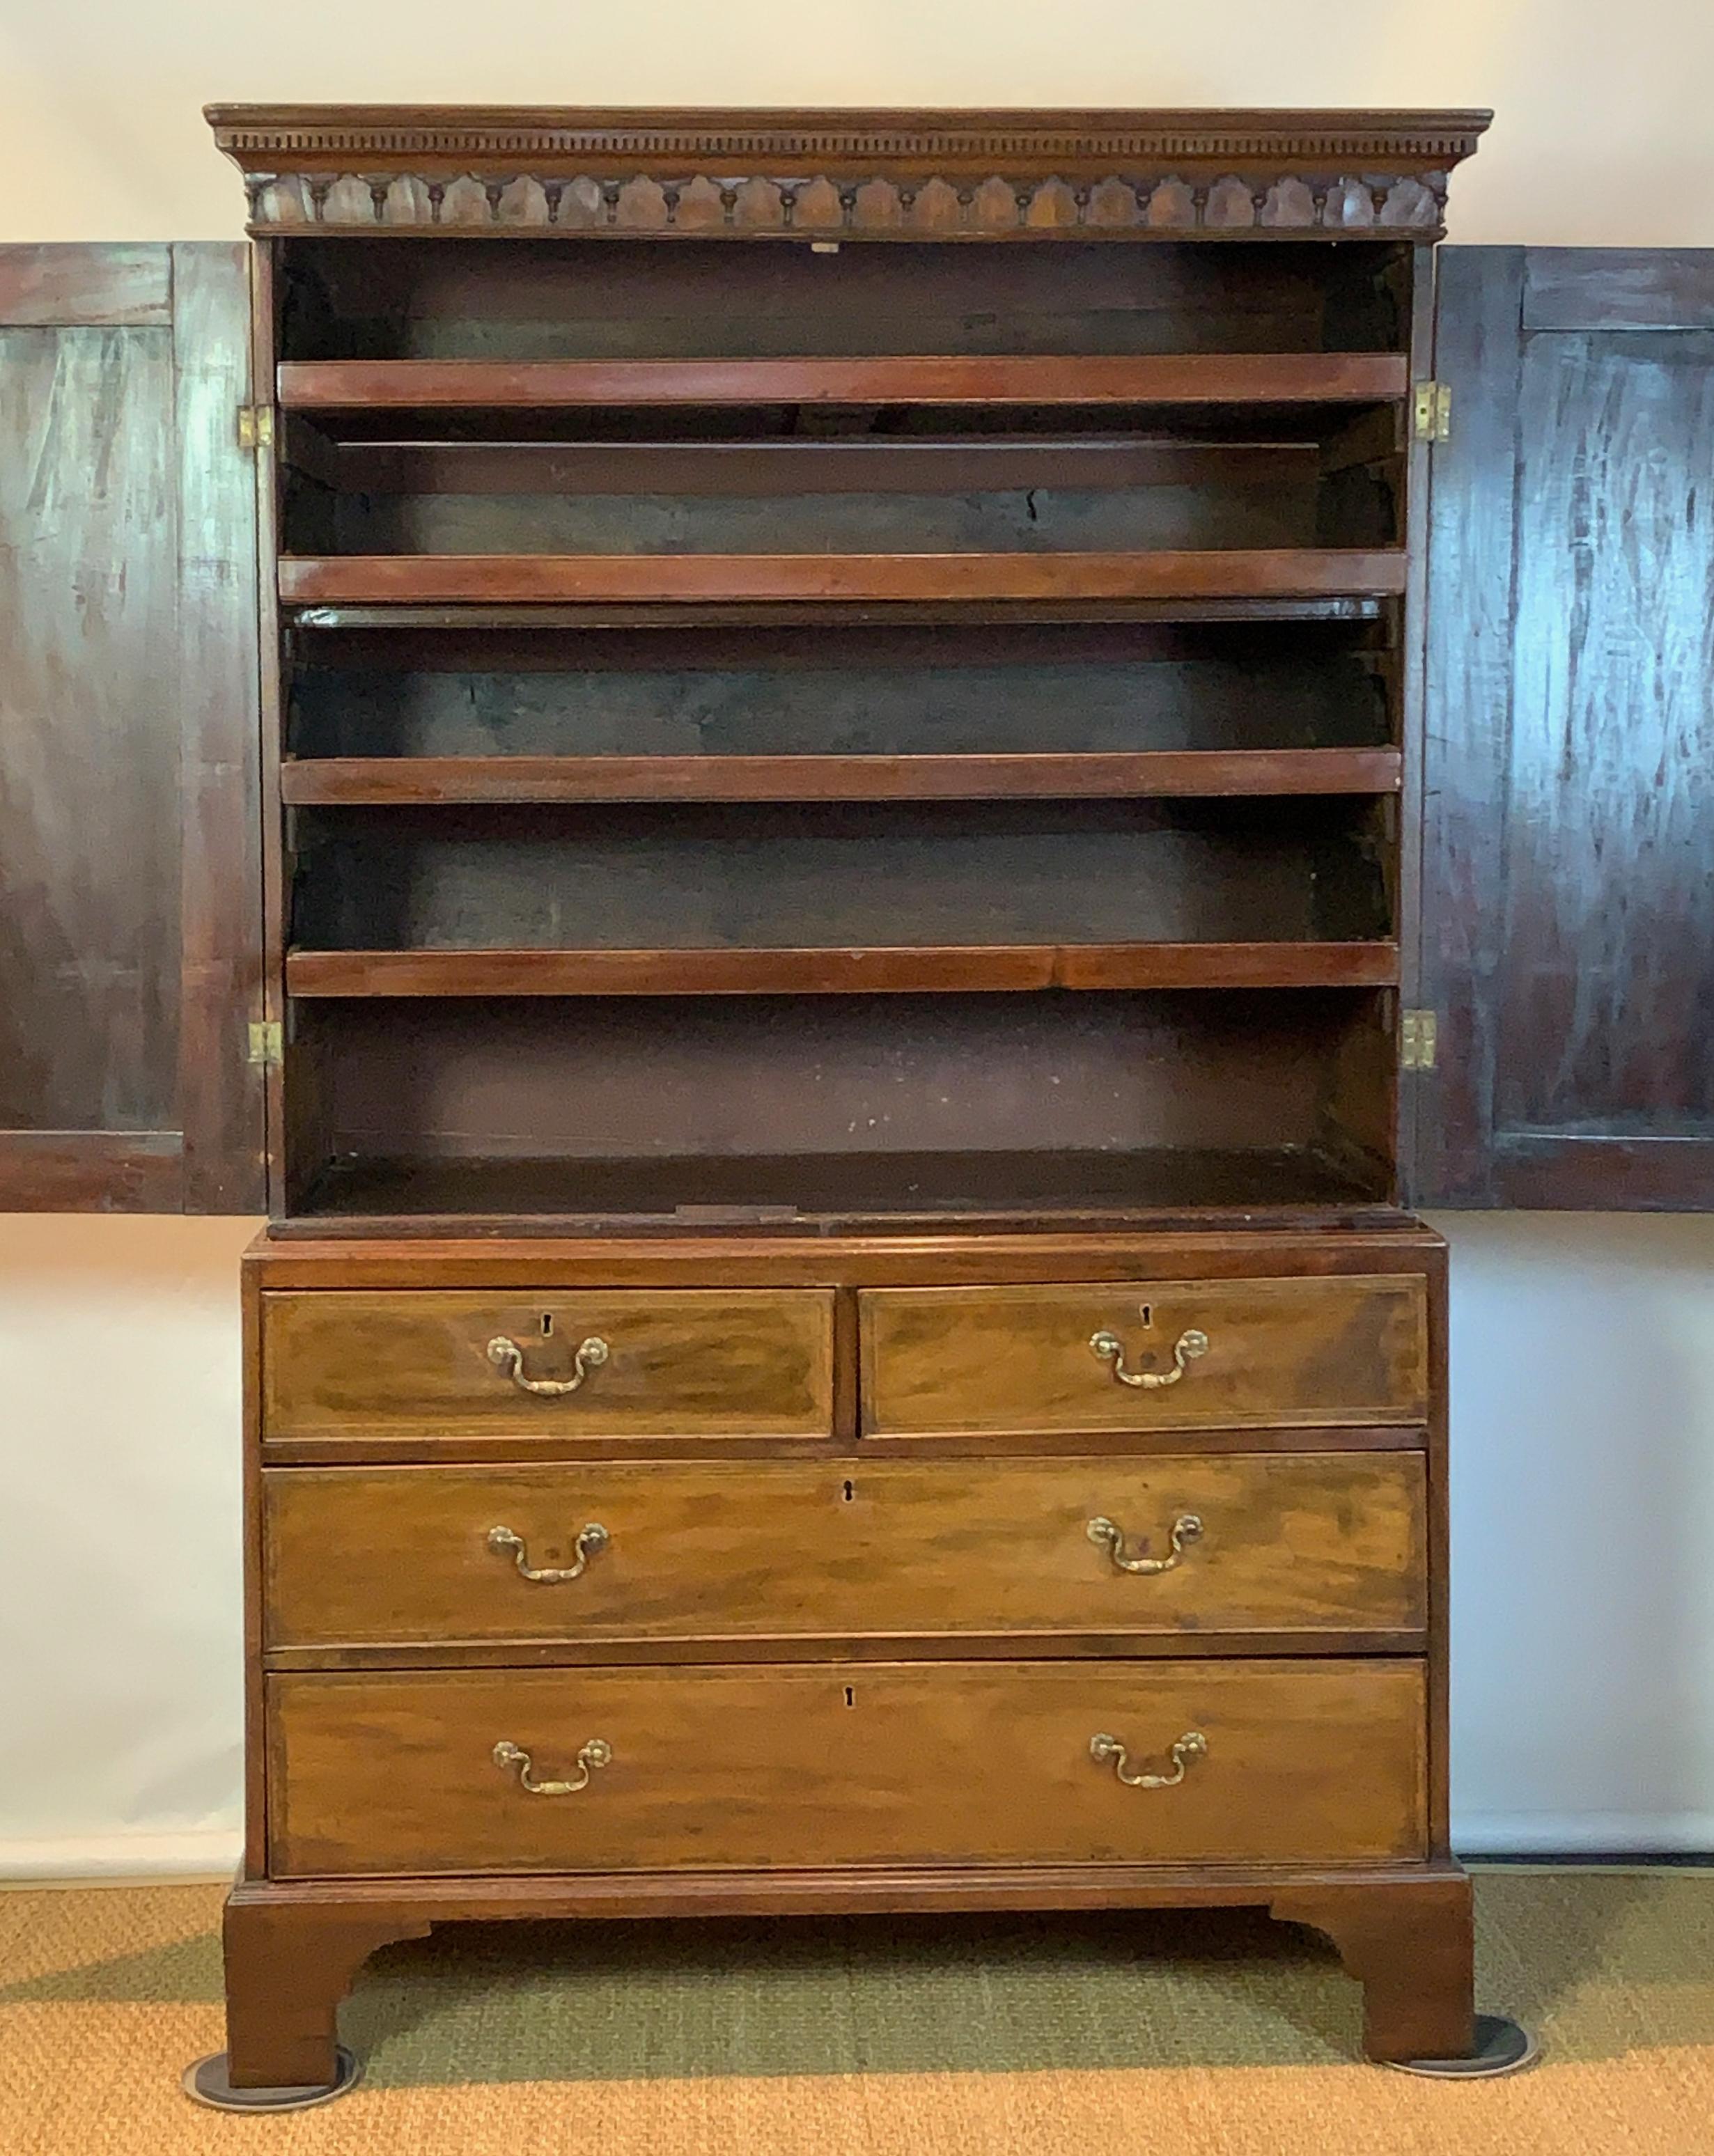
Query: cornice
[905,174]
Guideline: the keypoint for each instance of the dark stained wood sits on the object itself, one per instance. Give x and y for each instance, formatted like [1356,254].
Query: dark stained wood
[91,1170]
[74,285]
[791,1766]
[130,938]
[1606,290]
[895,1105]
[1152,378]
[1260,463]
[380,781]
[1570,945]
[1007,175]
[804,614]
[434,1193]
[220,1093]
[532,578]
[921,969]
[90,815]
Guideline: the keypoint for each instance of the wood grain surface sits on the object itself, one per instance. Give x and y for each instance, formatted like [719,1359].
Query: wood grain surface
[696,1363]
[1280,1352]
[845,1764]
[1307,1542]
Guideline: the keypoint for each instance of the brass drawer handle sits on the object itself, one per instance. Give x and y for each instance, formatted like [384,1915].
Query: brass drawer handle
[1185,1349]
[507,1355]
[596,1753]
[591,1541]
[1191,1745]
[1104,1535]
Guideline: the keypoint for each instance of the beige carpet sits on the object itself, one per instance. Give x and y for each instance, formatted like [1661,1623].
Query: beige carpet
[1151,2036]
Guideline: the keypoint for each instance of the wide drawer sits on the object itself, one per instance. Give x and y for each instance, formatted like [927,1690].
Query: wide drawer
[1145,1355]
[629,1362]
[846,1765]
[1286,1541]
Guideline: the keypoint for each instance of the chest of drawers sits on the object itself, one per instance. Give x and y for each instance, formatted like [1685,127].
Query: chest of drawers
[1061,1572]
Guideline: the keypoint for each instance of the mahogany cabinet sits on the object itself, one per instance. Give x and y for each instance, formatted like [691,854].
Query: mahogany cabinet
[1565,828]
[852,800]
[841,717]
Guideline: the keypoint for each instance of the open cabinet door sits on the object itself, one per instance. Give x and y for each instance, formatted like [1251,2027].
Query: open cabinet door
[1568,840]
[130,878]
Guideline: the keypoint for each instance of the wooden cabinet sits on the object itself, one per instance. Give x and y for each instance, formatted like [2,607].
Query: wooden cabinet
[841,773]
[1144,801]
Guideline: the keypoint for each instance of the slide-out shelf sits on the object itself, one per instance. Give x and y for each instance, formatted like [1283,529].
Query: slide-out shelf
[414,386]
[914,969]
[525,579]
[424,781]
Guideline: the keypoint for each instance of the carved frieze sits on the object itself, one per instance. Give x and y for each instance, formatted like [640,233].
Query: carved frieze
[822,175]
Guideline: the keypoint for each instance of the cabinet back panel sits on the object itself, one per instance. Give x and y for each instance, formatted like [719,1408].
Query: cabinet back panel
[570,299]
[604,1077]
[878,691]
[837,876]
[1283,508]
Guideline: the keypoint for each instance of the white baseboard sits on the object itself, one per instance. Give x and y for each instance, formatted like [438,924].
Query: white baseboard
[1577,1833]
[209,1853]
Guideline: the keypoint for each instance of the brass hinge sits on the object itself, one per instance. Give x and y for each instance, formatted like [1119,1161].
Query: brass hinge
[267,1045]
[255,426]
[1418,1035]
[1431,412]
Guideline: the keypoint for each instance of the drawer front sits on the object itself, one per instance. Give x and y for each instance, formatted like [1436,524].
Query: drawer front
[1287,1542]
[1233,1354]
[846,1765]
[697,1362]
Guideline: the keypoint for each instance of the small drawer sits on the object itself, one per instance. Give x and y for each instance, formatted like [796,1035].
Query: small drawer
[1322,1543]
[1145,1355]
[853,1763]
[628,1363]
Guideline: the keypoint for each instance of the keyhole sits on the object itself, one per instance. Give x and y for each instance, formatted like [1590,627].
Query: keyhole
[1145,1314]
[848,1491]
[546,1323]
[850,1697]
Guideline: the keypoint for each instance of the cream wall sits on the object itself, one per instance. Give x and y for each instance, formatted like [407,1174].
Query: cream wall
[1604,137]
[1584,1348]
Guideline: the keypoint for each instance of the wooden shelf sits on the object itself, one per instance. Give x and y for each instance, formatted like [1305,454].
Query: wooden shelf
[1234,572]
[1023,1190]
[548,619]
[987,968]
[1197,378]
[405,780]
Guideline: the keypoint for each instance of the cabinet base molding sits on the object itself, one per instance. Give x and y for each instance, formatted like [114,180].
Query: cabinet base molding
[292,1951]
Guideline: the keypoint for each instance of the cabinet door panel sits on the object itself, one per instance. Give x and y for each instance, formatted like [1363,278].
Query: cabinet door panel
[130,941]
[1568,896]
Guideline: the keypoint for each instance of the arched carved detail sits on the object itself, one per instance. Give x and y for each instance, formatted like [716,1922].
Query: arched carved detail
[351,170]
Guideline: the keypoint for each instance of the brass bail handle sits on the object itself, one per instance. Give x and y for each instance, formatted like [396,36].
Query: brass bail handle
[591,1541]
[1105,1535]
[1191,1745]
[507,1356]
[596,1753]
[1186,1348]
